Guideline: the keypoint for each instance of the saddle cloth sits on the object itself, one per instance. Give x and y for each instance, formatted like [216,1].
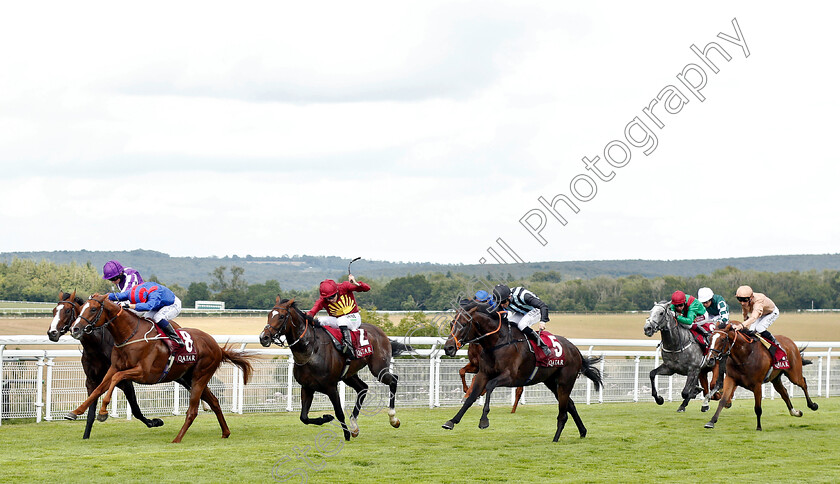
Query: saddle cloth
[187,353]
[361,345]
[556,358]
[780,361]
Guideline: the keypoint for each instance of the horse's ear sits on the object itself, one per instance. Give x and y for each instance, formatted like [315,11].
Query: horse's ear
[472,310]
[72,296]
[291,301]
[277,301]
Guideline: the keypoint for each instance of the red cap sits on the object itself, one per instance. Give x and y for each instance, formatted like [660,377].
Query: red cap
[328,288]
[678,298]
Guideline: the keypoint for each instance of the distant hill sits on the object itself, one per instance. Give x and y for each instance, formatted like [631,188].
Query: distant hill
[304,272]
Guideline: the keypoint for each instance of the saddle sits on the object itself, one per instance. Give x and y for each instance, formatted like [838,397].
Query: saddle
[780,361]
[185,354]
[554,358]
[358,339]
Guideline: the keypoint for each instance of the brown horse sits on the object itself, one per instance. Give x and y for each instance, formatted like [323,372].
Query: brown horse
[473,355]
[319,366]
[145,362]
[749,364]
[509,362]
[96,357]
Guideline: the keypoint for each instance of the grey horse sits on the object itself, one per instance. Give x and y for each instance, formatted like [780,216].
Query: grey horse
[681,354]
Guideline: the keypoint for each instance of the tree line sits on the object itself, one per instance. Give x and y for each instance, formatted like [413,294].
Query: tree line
[27,280]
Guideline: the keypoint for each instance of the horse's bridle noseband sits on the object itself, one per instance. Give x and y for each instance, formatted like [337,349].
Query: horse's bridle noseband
[458,344]
[91,324]
[277,334]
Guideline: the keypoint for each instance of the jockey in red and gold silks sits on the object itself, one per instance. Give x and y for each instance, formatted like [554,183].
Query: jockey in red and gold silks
[340,303]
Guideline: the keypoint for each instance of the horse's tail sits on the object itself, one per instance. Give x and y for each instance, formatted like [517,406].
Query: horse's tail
[398,348]
[242,359]
[589,370]
[804,361]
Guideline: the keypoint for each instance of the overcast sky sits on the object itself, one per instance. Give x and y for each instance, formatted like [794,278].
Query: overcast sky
[419,132]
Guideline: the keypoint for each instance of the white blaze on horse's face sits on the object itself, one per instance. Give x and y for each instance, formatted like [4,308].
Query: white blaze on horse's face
[87,305]
[57,317]
[273,313]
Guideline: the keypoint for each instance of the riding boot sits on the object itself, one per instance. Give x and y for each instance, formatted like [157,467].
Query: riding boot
[779,356]
[530,333]
[347,349]
[171,333]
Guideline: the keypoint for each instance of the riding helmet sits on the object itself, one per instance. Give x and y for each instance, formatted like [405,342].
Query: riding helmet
[704,294]
[328,288]
[501,293]
[111,270]
[678,298]
[744,291]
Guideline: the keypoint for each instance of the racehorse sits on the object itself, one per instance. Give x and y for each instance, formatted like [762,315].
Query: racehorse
[146,361]
[96,357]
[681,354]
[509,362]
[473,355]
[749,364]
[319,366]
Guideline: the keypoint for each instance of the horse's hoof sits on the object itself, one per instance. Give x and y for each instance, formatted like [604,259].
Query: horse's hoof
[155,422]
[659,400]
[681,409]
[483,423]
[449,425]
[709,425]
[704,408]
[395,423]
[102,416]
[71,416]
[354,433]
[327,418]
[796,413]
[814,407]
[728,405]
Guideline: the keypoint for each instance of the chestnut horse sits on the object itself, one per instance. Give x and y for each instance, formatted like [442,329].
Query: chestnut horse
[749,364]
[473,355]
[145,362]
[509,362]
[96,357]
[319,366]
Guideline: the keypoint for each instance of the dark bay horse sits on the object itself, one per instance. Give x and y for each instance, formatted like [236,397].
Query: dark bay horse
[319,366]
[507,362]
[96,357]
[749,364]
[681,354]
[146,361]
[474,355]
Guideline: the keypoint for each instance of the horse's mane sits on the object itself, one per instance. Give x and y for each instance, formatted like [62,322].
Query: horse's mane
[298,310]
[486,309]
[78,299]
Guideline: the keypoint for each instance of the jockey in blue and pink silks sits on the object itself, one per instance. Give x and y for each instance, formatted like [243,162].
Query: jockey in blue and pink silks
[158,303]
[124,277]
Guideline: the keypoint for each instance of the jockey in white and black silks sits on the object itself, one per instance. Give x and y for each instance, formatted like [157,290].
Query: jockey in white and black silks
[340,303]
[523,308]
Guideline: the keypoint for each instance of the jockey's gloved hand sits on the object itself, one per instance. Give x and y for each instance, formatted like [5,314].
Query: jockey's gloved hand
[316,321]
[125,304]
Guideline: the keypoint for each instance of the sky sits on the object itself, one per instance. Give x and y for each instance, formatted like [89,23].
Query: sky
[423,131]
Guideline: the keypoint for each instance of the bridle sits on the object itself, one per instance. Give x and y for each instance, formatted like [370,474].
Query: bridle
[666,328]
[458,344]
[91,323]
[72,311]
[277,334]
[729,344]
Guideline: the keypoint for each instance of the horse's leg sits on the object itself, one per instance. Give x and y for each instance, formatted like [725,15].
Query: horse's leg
[94,395]
[339,412]
[574,413]
[756,389]
[199,384]
[390,379]
[502,380]
[704,382]
[91,415]
[128,389]
[659,370]
[562,412]
[463,373]
[119,376]
[516,400]
[728,390]
[690,389]
[478,385]
[361,388]
[796,377]
[306,395]
[782,391]
[213,402]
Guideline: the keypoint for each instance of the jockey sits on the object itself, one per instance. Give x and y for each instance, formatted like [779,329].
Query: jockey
[124,277]
[340,304]
[715,306]
[523,308]
[484,297]
[759,313]
[691,314]
[159,303]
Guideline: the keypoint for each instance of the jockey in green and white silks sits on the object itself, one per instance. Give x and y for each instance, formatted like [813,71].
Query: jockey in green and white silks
[690,313]
[715,306]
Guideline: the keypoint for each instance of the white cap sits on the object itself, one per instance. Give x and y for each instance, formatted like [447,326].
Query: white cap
[704,294]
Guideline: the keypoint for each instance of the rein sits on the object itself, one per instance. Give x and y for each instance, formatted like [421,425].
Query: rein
[275,338]
[459,345]
[667,328]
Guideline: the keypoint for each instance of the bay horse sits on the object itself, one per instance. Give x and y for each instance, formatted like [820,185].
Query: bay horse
[681,354]
[507,361]
[473,356]
[749,364]
[319,366]
[96,357]
[146,361]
